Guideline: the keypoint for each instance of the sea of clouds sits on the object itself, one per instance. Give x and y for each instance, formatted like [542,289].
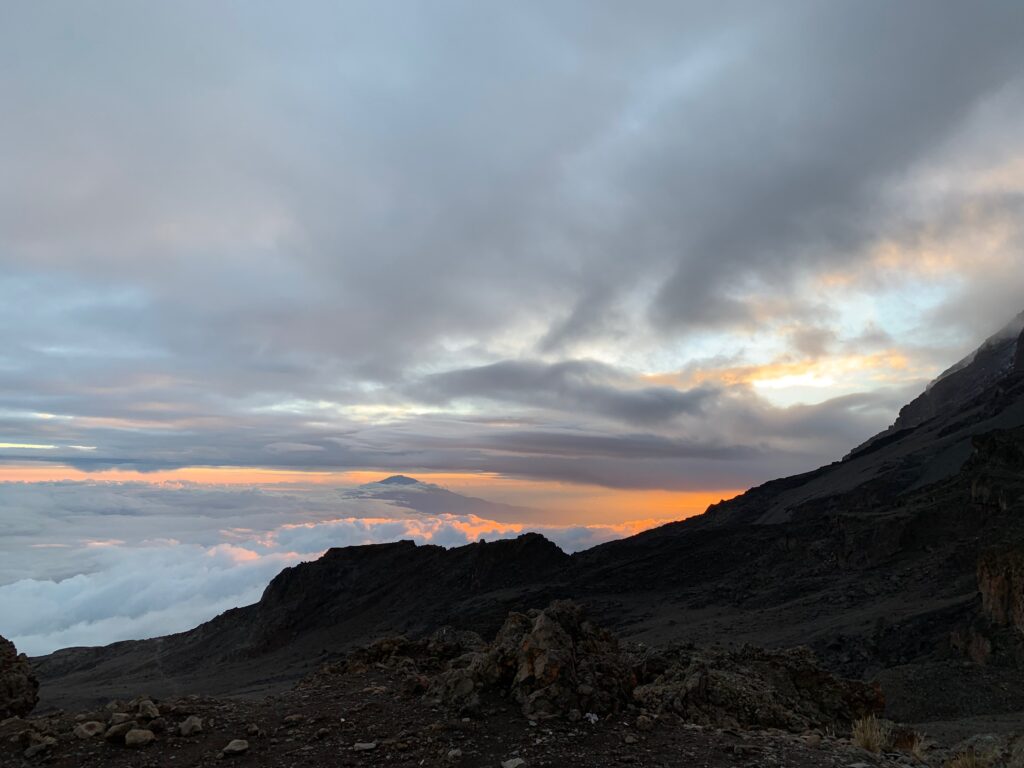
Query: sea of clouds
[90,563]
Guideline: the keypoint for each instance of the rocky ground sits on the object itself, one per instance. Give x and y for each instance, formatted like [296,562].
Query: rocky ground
[551,689]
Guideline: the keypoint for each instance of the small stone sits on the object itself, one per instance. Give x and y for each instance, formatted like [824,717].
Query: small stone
[89,729]
[515,762]
[190,725]
[644,723]
[116,718]
[454,754]
[148,710]
[812,739]
[292,720]
[629,738]
[119,731]
[323,733]
[364,746]
[44,745]
[139,737]
[236,747]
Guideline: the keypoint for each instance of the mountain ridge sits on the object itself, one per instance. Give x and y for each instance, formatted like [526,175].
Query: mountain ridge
[873,561]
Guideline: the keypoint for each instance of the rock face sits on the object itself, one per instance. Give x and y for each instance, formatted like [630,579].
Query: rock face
[551,661]
[1018,359]
[557,664]
[753,687]
[1001,584]
[970,377]
[19,689]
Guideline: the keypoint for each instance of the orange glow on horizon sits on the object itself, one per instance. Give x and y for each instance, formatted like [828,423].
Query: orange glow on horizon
[561,503]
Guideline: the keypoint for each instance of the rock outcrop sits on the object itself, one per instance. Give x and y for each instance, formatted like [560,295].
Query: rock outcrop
[753,687]
[552,662]
[997,356]
[19,689]
[555,663]
[1018,359]
[1001,584]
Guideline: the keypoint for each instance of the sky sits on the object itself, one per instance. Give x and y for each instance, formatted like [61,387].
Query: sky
[605,263]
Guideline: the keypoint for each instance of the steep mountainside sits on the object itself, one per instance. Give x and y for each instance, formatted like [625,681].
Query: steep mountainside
[874,561]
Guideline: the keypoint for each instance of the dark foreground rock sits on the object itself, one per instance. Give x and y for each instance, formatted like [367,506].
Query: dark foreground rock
[19,689]
[551,689]
[756,688]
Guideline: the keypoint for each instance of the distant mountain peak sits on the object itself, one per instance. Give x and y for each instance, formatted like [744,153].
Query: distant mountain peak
[954,387]
[399,480]
[999,345]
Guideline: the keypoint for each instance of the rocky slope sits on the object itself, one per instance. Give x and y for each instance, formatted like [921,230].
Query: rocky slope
[875,562]
[19,689]
[551,689]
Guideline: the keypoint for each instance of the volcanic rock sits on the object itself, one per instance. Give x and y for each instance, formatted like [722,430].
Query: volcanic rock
[236,747]
[191,725]
[551,661]
[1001,584]
[19,689]
[89,729]
[139,737]
[118,732]
[753,687]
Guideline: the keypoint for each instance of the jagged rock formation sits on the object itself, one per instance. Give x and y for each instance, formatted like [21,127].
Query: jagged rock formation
[552,662]
[19,689]
[967,379]
[753,687]
[1001,584]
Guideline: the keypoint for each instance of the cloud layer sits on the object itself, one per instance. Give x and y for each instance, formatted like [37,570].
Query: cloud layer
[675,246]
[80,563]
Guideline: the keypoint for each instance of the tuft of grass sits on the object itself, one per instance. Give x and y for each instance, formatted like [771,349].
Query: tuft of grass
[971,759]
[873,734]
[916,748]
[909,741]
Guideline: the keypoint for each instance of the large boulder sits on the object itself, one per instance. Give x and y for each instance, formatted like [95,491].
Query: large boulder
[19,689]
[753,687]
[552,662]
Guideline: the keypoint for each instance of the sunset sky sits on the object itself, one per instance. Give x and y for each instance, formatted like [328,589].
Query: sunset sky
[606,262]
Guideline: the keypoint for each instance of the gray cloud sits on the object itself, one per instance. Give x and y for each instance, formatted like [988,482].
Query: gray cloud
[226,231]
[568,385]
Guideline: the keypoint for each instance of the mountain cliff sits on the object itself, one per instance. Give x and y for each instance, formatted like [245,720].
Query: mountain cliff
[875,561]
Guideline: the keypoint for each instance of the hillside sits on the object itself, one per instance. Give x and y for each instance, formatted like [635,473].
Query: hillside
[873,561]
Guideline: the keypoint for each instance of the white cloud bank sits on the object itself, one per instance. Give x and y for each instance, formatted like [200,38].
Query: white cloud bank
[93,563]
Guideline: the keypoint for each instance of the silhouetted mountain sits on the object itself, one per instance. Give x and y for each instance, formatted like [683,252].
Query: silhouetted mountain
[399,480]
[874,561]
[429,499]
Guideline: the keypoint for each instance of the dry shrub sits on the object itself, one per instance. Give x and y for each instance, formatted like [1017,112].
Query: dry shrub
[916,748]
[971,759]
[872,734]
[905,739]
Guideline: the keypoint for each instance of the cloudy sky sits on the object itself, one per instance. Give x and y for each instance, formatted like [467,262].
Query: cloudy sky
[608,263]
